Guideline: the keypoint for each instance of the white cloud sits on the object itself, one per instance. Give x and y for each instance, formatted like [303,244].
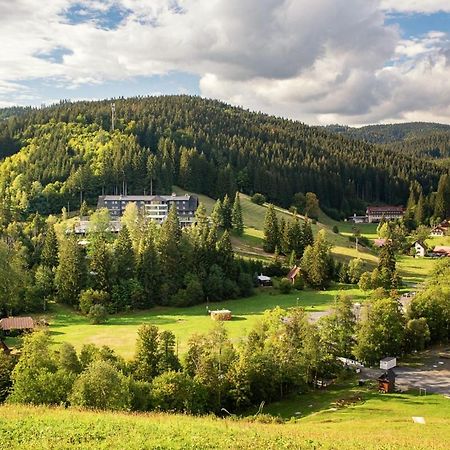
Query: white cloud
[416,6]
[322,61]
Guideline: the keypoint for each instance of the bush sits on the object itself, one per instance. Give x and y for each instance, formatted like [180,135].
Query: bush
[284,286]
[98,314]
[91,297]
[258,199]
[299,283]
[245,283]
[101,386]
[335,229]
[177,392]
[365,281]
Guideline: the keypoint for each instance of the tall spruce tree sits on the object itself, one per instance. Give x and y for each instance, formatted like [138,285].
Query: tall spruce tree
[149,270]
[227,213]
[124,255]
[49,255]
[419,213]
[70,277]
[100,265]
[271,231]
[442,200]
[169,246]
[237,219]
[307,234]
[216,214]
[225,255]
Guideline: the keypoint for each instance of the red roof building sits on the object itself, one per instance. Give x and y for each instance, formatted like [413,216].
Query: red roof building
[16,323]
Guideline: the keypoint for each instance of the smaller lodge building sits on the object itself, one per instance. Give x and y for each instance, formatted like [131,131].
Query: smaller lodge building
[376,214]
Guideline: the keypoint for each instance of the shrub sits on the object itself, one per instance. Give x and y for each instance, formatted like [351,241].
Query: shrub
[101,386]
[299,283]
[365,281]
[91,297]
[98,314]
[178,392]
[335,229]
[284,286]
[258,199]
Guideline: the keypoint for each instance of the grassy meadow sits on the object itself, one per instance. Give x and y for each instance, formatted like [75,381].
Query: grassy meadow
[357,420]
[120,331]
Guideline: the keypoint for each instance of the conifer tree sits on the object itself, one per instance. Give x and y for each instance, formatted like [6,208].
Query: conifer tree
[442,201]
[49,255]
[296,238]
[124,254]
[71,271]
[227,213]
[149,270]
[225,254]
[237,219]
[169,244]
[146,359]
[100,265]
[216,214]
[307,234]
[271,231]
[387,266]
[316,262]
[419,214]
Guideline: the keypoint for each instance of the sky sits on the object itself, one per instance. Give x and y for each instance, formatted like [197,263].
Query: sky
[351,62]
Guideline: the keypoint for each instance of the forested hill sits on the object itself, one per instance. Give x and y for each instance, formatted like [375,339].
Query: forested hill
[429,140]
[202,145]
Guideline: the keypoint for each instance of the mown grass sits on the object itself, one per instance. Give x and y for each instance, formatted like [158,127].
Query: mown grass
[120,331]
[376,422]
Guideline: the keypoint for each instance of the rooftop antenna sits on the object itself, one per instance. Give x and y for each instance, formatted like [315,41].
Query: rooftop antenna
[113,115]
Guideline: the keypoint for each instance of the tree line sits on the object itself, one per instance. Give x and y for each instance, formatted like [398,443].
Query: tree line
[143,266]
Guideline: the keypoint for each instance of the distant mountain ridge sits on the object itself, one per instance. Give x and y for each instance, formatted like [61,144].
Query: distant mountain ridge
[420,139]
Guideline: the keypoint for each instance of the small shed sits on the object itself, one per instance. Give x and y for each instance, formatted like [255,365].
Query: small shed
[388,363]
[221,314]
[386,382]
[264,280]
[17,323]
[293,274]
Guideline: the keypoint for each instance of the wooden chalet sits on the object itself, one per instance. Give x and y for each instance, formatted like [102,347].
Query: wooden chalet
[17,324]
[386,382]
[293,274]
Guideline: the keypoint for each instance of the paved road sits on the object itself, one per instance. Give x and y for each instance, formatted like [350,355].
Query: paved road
[433,376]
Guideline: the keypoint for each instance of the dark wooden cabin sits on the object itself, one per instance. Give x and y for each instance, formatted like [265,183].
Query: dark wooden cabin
[386,382]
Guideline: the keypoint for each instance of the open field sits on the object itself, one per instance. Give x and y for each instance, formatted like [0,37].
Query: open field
[120,330]
[373,421]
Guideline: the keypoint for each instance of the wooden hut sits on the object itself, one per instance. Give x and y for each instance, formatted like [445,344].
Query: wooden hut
[17,324]
[386,382]
[221,314]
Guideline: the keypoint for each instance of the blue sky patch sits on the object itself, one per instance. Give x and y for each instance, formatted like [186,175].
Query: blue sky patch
[108,19]
[415,25]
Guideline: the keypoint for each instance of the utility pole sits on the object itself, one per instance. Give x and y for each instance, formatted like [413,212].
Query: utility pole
[113,115]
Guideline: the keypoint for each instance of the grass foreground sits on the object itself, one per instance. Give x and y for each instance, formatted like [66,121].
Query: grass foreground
[378,422]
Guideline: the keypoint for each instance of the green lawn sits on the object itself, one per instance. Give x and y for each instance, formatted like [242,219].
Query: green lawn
[120,330]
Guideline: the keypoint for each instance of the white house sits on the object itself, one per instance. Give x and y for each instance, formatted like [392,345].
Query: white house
[420,248]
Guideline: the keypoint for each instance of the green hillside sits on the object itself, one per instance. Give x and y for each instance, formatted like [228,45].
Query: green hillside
[377,422]
[202,145]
